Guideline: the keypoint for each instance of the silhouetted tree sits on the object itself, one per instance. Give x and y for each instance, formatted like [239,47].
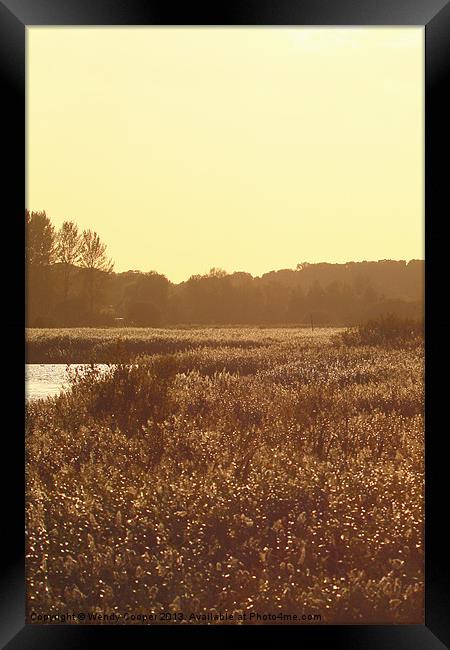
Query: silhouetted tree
[209,297]
[151,288]
[324,294]
[39,254]
[216,273]
[296,306]
[39,239]
[67,252]
[94,260]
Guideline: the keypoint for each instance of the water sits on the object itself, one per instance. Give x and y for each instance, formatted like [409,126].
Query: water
[47,379]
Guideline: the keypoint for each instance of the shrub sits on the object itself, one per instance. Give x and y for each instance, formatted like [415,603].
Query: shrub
[389,330]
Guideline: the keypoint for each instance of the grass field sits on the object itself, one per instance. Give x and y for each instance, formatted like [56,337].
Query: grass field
[112,345]
[240,471]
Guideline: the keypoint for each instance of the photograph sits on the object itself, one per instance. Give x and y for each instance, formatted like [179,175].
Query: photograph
[224,325]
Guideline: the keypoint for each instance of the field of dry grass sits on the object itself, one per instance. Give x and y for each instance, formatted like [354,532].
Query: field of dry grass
[232,471]
[112,344]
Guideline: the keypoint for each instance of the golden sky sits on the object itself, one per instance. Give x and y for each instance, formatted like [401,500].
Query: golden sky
[249,149]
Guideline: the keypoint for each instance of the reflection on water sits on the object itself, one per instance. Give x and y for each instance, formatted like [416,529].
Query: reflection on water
[46,379]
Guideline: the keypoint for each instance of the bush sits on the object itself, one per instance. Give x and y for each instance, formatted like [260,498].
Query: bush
[389,330]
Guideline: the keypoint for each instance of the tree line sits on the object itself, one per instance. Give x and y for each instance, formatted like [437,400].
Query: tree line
[70,282]
[56,262]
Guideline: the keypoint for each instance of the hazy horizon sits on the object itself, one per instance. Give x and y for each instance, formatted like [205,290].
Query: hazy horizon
[284,268]
[274,270]
[247,149]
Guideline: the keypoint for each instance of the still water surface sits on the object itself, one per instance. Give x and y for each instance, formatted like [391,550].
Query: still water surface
[46,379]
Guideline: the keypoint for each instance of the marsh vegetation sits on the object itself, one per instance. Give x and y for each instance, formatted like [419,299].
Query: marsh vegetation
[240,471]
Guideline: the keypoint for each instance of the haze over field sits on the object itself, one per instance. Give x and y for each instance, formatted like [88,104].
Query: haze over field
[240,148]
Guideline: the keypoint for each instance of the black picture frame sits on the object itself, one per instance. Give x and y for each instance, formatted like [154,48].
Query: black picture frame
[15,16]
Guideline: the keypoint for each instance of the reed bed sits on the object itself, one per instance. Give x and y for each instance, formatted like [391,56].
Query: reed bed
[251,471]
